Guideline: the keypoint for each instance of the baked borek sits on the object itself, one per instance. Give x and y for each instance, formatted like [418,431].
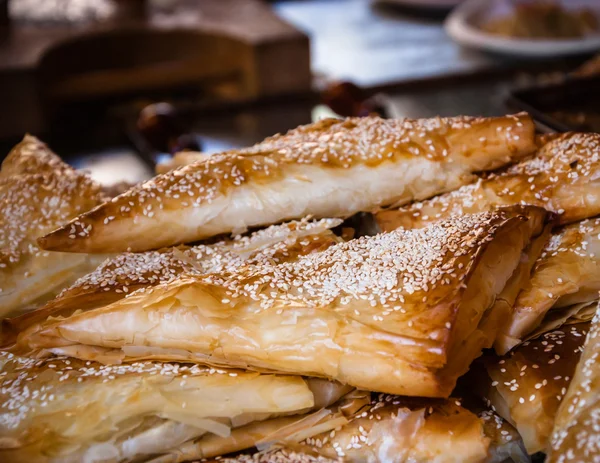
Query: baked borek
[562,177]
[127,273]
[403,312]
[332,168]
[65,410]
[564,281]
[576,434]
[527,385]
[39,193]
[397,429]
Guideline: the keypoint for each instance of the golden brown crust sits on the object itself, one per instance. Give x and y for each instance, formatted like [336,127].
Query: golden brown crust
[567,273]
[396,429]
[39,192]
[576,434]
[30,157]
[399,429]
[127,273]
[407,304]
[312,170]
[527,385]
[62,409]
[562,177]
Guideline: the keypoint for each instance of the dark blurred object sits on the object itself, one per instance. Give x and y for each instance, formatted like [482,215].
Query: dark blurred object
[589,68]
[160,132]
[435,9]
[344,98]
[349,100]
[573,104]
[4,14]
[163,129]
[544,20]
[159,124]
[79,61]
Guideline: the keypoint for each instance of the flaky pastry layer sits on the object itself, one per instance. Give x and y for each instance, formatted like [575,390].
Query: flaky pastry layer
[404,312]
[332,168]
[576,433]
[567,274]
[65,410]
[562,177]
[527,385]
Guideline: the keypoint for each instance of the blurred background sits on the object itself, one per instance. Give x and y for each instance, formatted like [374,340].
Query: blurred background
[115,86]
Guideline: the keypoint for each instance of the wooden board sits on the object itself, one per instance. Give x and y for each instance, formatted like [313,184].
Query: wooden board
[228,49]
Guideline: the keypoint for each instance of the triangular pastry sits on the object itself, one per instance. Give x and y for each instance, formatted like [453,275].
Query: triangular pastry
[398,429]
[183,158]
[404,312]
[527,385]
[65,410]
[562,177]
[576,433]
[39,193]
[567,274]
[31,157]
[120,276]
[332,168]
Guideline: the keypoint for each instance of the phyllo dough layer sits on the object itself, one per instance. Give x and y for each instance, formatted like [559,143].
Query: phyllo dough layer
[527,385]
[562,177]
[38,193]
[403,312]
[65,410]
[332,168]
[566,275]
[576,434]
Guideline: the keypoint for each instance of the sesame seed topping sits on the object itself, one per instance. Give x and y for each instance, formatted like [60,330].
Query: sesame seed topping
[330,143]
[576,435]
[380,270]
[39,193]
[547,180]
[535,373]
[130,273]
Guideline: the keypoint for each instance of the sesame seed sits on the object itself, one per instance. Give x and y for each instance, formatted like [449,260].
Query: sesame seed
[537,181]
[39,194]
[329,143]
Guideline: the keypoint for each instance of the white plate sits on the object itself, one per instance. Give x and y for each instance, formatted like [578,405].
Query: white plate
[462,26]
[432,4]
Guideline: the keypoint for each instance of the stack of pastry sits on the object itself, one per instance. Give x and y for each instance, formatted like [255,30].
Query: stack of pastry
[177,334]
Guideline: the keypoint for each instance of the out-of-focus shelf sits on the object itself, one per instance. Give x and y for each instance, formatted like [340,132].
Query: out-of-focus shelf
[221,49]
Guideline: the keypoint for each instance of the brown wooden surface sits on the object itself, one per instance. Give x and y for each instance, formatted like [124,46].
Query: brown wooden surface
[185,43]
